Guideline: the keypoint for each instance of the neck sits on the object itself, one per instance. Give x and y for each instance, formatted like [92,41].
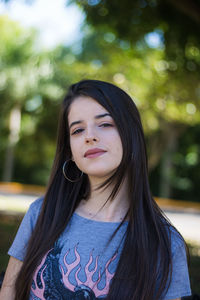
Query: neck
[99,208]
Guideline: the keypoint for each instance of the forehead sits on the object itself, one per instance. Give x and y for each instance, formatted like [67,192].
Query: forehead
[84,106]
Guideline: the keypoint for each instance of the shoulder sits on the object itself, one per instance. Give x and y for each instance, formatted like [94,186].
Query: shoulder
[177,241]
[32,213]
[172,236]
[25,230]
[35,206]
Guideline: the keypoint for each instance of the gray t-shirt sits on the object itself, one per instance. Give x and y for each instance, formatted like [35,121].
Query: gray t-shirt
[82,263]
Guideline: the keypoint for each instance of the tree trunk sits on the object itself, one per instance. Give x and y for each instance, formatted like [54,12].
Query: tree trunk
[167,165]
[14,128]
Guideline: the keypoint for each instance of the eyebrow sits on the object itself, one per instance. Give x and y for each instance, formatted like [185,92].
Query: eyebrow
[96,117]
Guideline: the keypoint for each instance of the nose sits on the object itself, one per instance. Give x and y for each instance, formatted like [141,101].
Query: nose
[91,136]
[90,140]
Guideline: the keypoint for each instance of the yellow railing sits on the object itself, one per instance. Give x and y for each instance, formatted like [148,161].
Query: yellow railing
[19,188]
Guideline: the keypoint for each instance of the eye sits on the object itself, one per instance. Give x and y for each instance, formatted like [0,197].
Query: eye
[106,125]
[77,131]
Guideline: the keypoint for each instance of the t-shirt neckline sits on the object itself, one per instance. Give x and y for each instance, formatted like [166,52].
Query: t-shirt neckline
[97,221]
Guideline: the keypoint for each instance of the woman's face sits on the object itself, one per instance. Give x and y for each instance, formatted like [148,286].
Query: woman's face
[94,139]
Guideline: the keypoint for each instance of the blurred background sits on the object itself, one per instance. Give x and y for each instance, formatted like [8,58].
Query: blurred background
[149,48]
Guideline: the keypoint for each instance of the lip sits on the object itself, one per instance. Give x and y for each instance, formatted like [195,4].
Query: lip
[94,152]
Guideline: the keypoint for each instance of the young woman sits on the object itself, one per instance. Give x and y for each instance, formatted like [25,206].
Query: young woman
[97,233]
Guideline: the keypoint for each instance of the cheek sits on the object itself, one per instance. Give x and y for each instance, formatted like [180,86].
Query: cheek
[74,148]
[119,148]
[115,144]
[119,151]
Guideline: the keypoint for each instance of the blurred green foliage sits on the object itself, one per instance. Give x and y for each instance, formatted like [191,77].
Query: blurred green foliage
[166,93]
[9,226]
[177,23]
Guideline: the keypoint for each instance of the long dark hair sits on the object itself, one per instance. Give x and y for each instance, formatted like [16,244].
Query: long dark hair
[144,268]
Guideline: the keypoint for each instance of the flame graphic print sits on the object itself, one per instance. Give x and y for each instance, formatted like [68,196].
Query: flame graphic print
[52,280]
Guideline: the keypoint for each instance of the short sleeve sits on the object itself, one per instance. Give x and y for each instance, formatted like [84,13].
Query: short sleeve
[19,245]
[180,283]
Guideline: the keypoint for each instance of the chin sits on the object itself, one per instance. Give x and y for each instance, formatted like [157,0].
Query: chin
[99,170]
[101,174]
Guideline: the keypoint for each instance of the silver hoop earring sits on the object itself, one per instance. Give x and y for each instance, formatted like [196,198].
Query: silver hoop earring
[64,173]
